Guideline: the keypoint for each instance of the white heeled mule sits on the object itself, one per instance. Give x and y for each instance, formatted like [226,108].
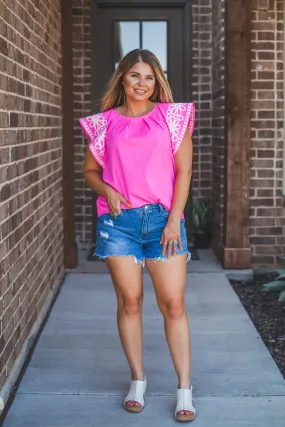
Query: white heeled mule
[136,393]
[184,403]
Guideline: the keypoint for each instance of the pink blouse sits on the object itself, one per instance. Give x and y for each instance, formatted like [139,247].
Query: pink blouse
[137,153]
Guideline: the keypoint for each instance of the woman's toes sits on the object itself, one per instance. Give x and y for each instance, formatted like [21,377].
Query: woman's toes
[185,412]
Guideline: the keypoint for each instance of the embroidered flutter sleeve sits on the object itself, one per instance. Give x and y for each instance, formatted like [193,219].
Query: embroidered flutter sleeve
[95,128]
[179,117]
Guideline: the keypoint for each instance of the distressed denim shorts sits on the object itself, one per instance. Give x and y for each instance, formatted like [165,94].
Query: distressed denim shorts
[136,233]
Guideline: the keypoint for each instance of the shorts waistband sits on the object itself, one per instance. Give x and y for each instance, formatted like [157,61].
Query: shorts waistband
[150,207]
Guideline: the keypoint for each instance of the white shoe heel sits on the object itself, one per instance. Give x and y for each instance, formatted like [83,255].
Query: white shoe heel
[136,393]
[184,403]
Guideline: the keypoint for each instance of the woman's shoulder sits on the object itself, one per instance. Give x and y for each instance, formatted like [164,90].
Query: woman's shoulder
[176,111]
[96,121]
[103,115]
[175,106]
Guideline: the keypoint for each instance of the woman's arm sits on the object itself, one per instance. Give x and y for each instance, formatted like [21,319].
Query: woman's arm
[183,165]
[92,172]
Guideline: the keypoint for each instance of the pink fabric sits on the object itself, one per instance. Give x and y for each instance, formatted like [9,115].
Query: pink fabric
[137,153]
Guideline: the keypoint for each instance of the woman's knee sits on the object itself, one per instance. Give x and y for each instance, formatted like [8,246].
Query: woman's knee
[173,309]
[131,305]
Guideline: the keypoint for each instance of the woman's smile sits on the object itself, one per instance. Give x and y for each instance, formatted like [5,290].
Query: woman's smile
[140,91]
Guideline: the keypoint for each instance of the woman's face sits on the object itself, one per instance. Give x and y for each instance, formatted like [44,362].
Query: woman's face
[139,82]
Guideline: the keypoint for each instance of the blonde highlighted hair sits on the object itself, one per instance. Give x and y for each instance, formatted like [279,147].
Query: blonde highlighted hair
[114,95]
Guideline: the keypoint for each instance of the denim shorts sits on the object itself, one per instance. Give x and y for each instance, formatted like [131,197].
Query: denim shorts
[136,233]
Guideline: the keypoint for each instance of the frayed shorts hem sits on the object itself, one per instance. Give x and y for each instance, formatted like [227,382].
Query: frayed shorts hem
[136,261]
[141,261]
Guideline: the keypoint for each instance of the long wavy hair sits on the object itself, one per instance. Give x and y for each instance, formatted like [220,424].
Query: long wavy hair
[115,94]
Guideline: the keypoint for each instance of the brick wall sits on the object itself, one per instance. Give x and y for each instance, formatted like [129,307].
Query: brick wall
[31,245]
[201,88]
[201,79]
[82,107]
[218,123]
[267,213]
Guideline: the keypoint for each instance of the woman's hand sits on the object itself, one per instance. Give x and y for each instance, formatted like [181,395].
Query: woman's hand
[171,233]
[114,200]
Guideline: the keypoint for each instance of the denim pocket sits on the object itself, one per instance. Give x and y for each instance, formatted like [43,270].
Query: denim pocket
[121,213]
[164,212]
[107,215]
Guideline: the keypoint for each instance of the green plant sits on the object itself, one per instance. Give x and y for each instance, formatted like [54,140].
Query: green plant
[277,285]
[202,217]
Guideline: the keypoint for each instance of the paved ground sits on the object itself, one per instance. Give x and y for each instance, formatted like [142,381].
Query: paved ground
[78,375]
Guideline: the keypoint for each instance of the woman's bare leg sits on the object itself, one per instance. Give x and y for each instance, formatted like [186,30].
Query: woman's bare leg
[169,279]
[127,279]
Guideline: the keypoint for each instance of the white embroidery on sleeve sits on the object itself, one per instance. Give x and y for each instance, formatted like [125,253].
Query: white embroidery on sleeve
[96,128]
[99,124]
[177,121]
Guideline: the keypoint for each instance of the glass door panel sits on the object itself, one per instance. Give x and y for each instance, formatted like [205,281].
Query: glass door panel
[151,35]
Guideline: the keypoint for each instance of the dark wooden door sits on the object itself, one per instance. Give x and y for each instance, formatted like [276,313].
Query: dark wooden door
[164,30]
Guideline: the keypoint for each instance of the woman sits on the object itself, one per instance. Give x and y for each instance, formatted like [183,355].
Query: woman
[139,162]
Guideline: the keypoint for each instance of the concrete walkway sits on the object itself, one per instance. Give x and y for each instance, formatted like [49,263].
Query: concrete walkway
[78,374]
